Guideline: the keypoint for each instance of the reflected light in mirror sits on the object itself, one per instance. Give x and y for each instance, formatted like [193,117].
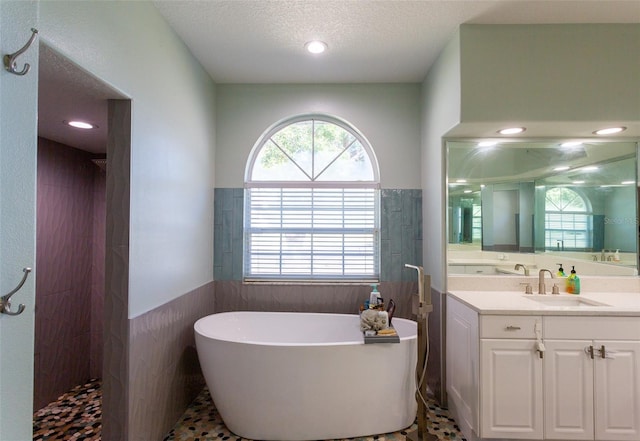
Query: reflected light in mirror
[610,130]
[538,202]
[511,130]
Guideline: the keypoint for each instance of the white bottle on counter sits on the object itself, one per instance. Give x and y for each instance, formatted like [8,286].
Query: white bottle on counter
[374,297]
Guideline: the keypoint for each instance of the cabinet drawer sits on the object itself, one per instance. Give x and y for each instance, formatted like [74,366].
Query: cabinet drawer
[509,326]
[592,328]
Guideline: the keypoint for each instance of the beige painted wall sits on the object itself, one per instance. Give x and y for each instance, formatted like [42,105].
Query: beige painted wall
[130,46]
[388,115]
[569,72]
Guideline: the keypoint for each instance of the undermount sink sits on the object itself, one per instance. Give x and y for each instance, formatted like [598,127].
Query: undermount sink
[564,300]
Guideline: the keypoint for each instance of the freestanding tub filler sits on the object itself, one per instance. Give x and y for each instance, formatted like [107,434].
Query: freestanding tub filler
[306,376]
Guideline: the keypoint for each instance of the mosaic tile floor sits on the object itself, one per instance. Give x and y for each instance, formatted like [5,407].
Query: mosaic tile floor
[76,415]
[201,422]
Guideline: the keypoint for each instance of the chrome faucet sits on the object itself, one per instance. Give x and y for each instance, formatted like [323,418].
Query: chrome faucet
[541,287]
[521,266]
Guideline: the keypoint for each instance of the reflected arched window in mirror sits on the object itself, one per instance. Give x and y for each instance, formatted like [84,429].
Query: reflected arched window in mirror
[568,220]
[312,203]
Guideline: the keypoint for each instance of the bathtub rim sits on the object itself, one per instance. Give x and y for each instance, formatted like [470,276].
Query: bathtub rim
[197,326]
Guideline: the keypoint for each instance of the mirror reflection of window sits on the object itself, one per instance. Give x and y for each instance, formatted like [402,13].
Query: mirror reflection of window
[567,221]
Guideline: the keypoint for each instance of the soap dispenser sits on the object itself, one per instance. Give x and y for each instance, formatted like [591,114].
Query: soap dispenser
[616,256]
[560,271]
[573,282]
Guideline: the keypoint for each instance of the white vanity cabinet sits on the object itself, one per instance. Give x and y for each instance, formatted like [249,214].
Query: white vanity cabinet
[592,378]
[494,373]
[502,384]
[511,400]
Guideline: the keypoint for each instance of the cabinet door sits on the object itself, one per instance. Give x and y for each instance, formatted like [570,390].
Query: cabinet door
[568,390]
[462,364]
[511,389]
[617,390]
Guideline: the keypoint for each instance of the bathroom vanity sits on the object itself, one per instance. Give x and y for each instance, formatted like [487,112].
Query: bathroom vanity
[552,367]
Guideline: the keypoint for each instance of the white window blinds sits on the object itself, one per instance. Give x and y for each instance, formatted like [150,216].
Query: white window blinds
[311,233]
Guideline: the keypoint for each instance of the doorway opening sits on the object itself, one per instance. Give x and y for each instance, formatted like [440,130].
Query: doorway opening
[72,245]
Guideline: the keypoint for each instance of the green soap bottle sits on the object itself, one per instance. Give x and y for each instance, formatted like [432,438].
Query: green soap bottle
[561,271]
[573,282]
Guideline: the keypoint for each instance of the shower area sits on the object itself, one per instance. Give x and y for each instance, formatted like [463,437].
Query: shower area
[70,262]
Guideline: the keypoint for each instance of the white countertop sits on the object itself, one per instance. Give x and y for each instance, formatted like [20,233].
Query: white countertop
[518,303]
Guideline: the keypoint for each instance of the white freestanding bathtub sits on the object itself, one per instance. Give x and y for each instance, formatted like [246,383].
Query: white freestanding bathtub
[305,376]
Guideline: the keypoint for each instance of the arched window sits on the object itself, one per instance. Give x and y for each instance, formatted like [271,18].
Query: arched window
[312,203]
[568,220]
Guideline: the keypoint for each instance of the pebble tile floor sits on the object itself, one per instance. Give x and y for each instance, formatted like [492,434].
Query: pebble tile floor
[77,415]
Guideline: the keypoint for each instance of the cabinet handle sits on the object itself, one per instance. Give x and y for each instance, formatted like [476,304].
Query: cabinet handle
[603,353]
[513,328]
[540,348]
[589,351]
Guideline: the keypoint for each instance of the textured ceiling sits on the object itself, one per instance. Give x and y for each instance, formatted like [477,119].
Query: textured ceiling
[250,41]
[261,41]
[65,93]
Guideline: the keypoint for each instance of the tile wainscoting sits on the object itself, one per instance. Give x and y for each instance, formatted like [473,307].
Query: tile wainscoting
[165,375]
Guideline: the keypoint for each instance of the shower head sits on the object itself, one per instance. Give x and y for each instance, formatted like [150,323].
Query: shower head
[101,163]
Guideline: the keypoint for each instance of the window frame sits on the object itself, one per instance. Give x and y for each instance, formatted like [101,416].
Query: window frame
[588,220]
[373,184]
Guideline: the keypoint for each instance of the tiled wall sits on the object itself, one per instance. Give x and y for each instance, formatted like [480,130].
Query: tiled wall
[115,379]
[400,228]
[228,233]
[98,272]
[69,282]
[165,375]
[400,234]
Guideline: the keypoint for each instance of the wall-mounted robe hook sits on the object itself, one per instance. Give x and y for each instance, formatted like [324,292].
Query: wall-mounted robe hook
[10,63]
[5,302]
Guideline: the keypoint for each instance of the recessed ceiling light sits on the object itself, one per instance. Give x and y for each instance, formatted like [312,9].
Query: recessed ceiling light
[610,130]
[487,144]
[511,130]
[571,144]
[562,168]
[316,46]
[81,125]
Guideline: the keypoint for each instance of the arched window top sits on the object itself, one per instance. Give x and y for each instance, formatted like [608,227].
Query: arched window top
[564,199]
[312,149]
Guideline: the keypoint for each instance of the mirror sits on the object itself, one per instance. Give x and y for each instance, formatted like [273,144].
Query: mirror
[541,204]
